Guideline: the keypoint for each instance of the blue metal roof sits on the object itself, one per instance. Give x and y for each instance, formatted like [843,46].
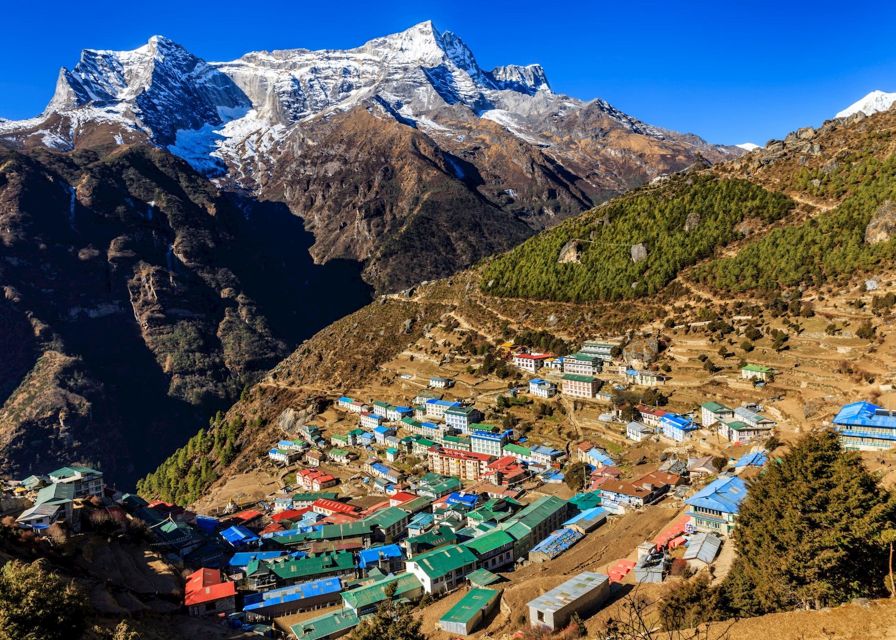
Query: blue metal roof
[754,459]
[595,513]
[374,554]
[237,535]
[382,429]
[722,494]
[600,457]
[295,592]
[345,399]
[545,451]
[678,422]
[865,414]
[468,499]
[443,403]
[558,542]
[243,558]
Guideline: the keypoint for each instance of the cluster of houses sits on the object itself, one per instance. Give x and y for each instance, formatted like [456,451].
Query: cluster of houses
[447,435]
[314,551]
[53,498]
[740,425]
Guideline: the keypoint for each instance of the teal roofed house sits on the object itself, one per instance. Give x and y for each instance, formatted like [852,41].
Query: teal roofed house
[467,615]
[86,481]
[367,598]
[338,563]
[432,539]
[534,523]
[327,626]
[494,549]
[388,524]
[443,569]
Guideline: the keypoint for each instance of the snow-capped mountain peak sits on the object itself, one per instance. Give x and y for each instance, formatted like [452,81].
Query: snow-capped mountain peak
[234,116]
[747,146]
[872,103]
[159,86]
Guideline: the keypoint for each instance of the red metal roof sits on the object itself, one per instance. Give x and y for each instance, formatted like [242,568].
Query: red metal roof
[401,497]
[333,505]
[247,515]
[534,356]
[290,514]
[206,585]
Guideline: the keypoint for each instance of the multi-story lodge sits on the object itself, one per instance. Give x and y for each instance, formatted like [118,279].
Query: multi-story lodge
[466,465]
[531,362]
[677,428]
[485,441]
[713,412]
[603,350]
[582,364]
[715,507]
[461,418]
[580,386]
[437,408]
[87,482]
[542,388]
[866,427]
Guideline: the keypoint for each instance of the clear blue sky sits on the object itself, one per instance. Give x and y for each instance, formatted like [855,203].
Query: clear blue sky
[728,70]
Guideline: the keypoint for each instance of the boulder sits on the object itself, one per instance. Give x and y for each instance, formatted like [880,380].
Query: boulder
[692,221]
[882,226]
[638,252]
[570,251]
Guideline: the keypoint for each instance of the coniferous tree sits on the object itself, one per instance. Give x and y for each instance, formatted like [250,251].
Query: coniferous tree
[813,531]
[393,621]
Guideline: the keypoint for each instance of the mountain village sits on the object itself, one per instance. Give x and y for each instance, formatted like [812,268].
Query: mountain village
[420,500]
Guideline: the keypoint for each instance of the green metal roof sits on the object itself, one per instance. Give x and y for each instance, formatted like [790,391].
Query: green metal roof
[518,449]
[481,426]
[483,578]
[461,411]
[55,493]
[737,425]
[72,470]
[336,453]
[375,593]
[489,542]
[437,537]
[470,605]
[575,377]
[326,625]
[417,504]
[757,368]
[585,501]
[715,407]
[533,515]
[583,357]
[385,518]
[442,561]
[311,496]
[384,405]
[341,531]
[323,564]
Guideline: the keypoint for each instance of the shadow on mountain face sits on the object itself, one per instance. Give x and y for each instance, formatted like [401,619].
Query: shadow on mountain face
[153,316]
[270,257]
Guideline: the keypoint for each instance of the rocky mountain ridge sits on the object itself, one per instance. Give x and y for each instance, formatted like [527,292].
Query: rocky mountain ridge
[497,147]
